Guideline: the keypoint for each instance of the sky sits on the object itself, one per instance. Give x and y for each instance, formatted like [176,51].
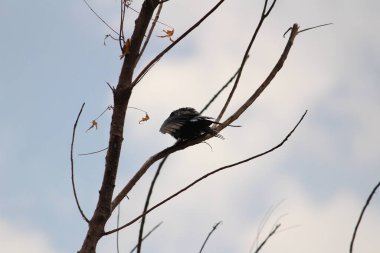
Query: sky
[53,59]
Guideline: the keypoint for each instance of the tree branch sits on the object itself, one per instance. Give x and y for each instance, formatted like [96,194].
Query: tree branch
[121,96]
[245,57]
[220,91]
[97,15]
[141,232]
[205,176]
[72,166]
[159,56]
[148,234]
[151,30]
[266,82]
[209,234]
[361,216]
[269,236]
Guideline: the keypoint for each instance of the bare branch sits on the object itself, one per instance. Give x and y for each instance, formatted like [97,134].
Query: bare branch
[96,14]
[306,29]
[266,82]
[361,216]
[95,152]
[202,178]
[151,30]
[269,236]
[72,166]
[158,21]
[220,91]
[121,96]
[263,222]
[176,147]
[245,57]
[140,239]
[121,26]
[148,234]
[310,28]
[117,225]
[209,234]
[158,57]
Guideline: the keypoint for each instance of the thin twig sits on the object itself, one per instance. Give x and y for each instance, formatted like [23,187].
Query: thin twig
[150,31]
[140,239]
[266,82]
[205,176]
[290,28]
[269,236]
[111,87]
[148,234]
[72,166]
[121,26]
[245,57]
[263,222]
[158,21]
[117,225]
[361,216]
[209,234]
[314,27]
[108,108]
[96,14]
[158,57]
[220,91]
[95,152]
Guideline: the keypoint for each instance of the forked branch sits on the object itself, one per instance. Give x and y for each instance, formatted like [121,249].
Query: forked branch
[182,145]
[266,82]
[264,15]
[207,175]
[159,56]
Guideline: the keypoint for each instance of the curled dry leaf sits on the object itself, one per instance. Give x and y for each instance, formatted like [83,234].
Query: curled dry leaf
[168,34]
[145,118]
[125,49]
[93,124]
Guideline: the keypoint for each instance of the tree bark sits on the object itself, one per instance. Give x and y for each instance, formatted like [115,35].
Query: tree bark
[122,94]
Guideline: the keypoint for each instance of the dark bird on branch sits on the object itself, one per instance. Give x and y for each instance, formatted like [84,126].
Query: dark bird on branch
[186,123]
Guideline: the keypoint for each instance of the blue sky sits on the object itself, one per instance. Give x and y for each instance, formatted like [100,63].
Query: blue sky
[53,59]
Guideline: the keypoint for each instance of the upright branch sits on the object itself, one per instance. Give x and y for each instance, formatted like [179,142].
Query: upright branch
[361,216]
[264,15]
[209,234]
[268,237]
[72,166]
[121,94]
[147,200]
[266,82]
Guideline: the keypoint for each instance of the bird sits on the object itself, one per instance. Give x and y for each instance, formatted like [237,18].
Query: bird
[186,124]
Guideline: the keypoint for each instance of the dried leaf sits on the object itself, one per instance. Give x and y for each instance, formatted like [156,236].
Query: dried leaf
[168,34]
[145,118]
[125,49]
[93,124]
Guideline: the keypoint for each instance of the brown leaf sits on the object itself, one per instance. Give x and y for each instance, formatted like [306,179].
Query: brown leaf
[93,124]
[125,49]
[168,34]
[145,118]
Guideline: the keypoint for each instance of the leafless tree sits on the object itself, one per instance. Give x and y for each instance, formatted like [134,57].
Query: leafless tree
[132,50]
